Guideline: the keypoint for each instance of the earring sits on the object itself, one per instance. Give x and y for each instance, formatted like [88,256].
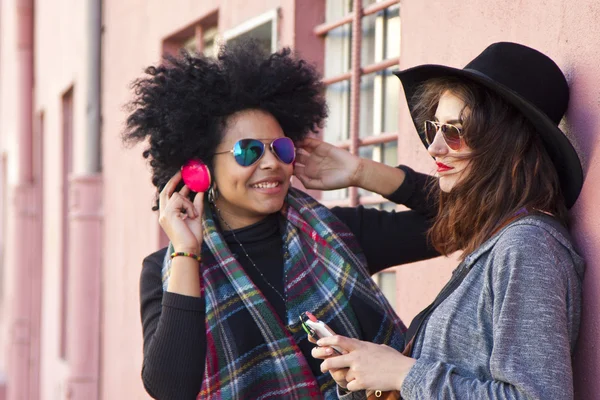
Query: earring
[213,195]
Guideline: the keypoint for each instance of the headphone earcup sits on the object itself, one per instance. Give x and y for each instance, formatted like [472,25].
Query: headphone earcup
[196,176]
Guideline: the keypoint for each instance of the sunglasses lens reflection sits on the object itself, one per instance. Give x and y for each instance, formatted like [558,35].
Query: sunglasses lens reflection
[248,151]
[284,149]
[451,136]
[450,132]
[430,131]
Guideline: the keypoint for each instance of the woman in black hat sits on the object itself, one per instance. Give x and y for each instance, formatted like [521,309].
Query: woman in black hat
[505,325]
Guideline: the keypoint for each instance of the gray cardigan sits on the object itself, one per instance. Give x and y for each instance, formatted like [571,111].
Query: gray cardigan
[508,331]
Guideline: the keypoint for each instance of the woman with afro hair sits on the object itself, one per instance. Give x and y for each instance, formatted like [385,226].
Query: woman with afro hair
[220,306]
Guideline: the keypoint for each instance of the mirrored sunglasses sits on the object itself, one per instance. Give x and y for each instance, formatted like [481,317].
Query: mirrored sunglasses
[247,152]
[452,134]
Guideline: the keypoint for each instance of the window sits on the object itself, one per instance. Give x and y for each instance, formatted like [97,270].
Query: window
[386,280]
[362,48]
[210,42]
[203,41]
[263,28]
[198,37]
[372,132]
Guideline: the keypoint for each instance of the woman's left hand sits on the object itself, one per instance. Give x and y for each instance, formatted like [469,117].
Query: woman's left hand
[370,366]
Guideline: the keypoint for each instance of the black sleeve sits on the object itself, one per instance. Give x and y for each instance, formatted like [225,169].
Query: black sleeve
[418,192]
[174,337]
[390,238]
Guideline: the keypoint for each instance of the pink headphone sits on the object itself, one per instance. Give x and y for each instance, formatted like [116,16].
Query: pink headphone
[196,176]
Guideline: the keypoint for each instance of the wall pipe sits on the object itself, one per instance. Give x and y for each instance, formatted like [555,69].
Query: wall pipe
[85,224]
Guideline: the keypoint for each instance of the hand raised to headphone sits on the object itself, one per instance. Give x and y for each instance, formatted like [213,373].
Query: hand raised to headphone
[320,165]
[179,217]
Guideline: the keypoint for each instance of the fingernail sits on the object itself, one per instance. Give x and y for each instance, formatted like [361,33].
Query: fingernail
[319,342]
[328,351]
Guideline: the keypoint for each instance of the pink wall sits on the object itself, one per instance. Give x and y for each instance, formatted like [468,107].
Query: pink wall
[455,32]
[7,23]
[432,31]
[58,64]
[22,225]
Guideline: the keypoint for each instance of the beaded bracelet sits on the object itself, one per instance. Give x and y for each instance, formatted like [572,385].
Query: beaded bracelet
[184,254]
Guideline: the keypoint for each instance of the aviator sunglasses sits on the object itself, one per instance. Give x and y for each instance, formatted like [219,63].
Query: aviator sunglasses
[452,134]
[248,151]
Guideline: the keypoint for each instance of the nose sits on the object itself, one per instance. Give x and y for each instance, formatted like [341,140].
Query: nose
[269,160]
[438,147]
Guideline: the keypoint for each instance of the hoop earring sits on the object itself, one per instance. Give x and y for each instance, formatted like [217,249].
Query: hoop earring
[213,195]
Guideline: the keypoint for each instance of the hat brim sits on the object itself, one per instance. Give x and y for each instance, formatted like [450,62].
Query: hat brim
[561,151]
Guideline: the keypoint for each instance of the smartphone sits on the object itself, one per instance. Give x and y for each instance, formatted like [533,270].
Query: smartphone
[317,329]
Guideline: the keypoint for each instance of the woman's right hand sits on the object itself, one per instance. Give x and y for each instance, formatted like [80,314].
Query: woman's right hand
[321,165]
[179,217]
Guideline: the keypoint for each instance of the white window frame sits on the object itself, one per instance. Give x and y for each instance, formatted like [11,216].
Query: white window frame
[252,23]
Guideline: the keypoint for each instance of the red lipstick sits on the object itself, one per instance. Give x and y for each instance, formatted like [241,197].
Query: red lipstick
[443,167]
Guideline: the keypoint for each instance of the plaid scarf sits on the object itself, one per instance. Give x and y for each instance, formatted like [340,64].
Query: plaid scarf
[325,273]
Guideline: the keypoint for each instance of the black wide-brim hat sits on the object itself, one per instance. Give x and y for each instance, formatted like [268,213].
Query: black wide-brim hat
[526,79]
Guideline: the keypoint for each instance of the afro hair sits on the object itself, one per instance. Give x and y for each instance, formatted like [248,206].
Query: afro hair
[182,105]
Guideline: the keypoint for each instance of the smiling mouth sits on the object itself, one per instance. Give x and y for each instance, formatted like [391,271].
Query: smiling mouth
[266,185]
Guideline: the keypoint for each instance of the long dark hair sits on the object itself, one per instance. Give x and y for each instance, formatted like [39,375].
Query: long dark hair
[509,168]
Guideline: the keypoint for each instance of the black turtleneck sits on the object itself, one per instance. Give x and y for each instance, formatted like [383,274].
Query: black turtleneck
[264,244]
[174,326]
